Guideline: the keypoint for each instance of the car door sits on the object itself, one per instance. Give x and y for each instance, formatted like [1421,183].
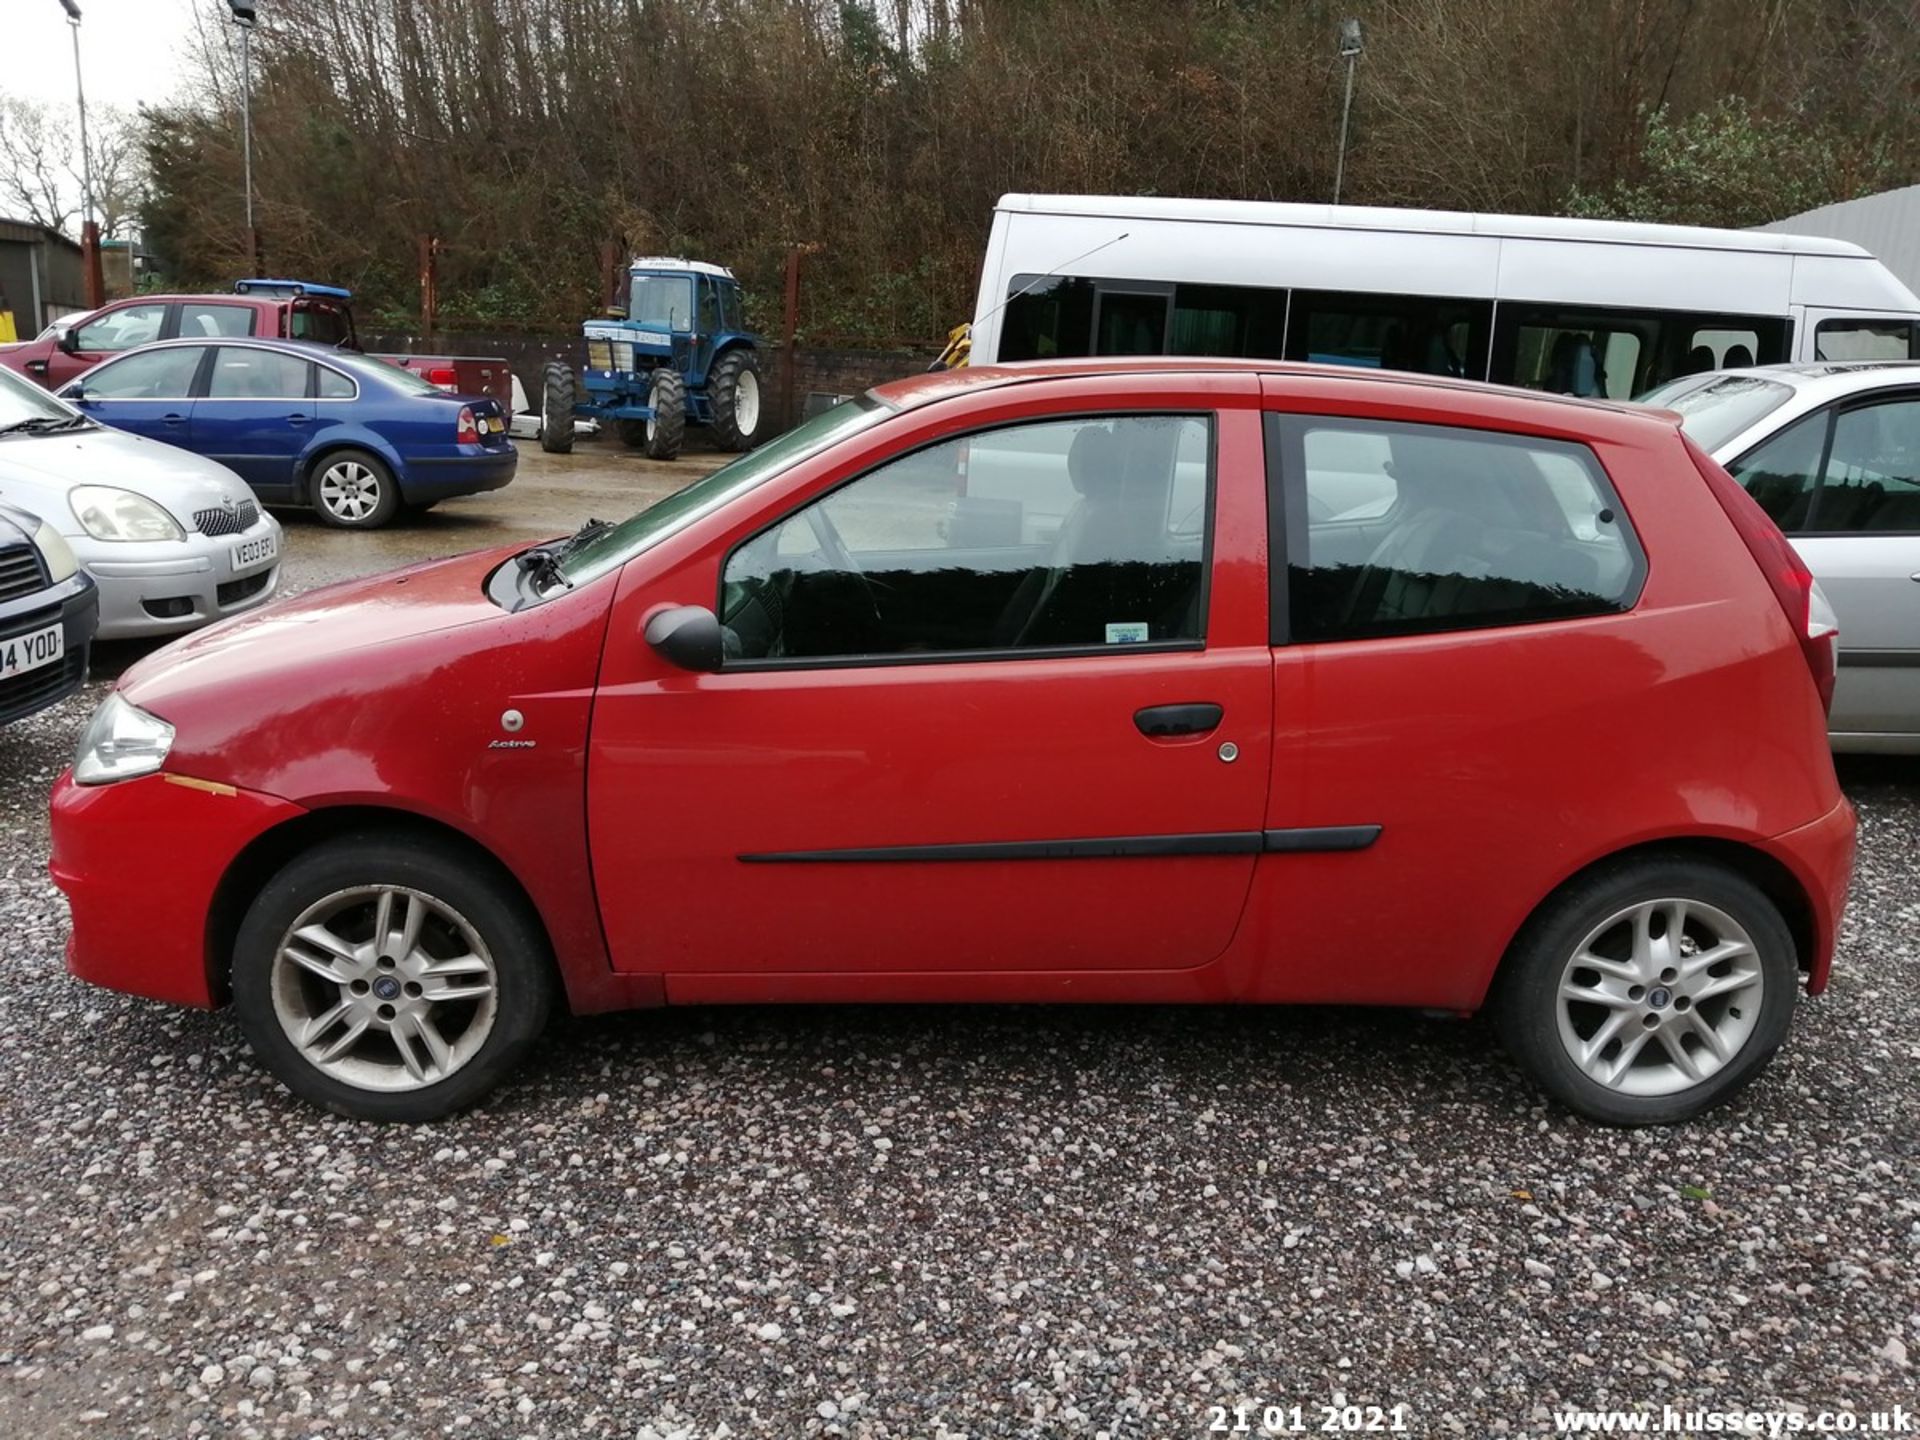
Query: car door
[935,749]
[117,328]
[1433,649]
[256,414]
[149,393]
[1844,483]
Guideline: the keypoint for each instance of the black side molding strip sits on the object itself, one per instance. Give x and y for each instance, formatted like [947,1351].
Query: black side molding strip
[1110,847]
[1878,659]
[1320,837]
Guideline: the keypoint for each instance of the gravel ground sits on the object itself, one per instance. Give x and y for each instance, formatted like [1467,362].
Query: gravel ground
[921,1223]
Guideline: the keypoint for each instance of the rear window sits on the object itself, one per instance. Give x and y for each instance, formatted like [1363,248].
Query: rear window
[327,324]
[1714,412]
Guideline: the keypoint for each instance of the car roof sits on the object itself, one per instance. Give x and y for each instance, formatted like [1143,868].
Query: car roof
[306,349]
[917,390]
[1829,378]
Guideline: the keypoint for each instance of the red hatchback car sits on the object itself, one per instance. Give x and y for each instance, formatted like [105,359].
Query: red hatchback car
[1152,681]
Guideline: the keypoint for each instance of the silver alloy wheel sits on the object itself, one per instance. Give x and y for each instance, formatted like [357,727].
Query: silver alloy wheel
[1660,997]
[746,403]
[384,988]
[349,490]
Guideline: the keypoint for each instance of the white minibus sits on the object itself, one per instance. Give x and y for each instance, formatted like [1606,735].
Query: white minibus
[1582,307]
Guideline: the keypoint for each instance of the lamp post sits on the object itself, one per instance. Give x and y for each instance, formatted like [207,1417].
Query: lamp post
[89,231]
[243,17]
[1352,42]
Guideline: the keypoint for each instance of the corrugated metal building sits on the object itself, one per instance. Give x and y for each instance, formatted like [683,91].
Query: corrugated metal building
[41,277]
[1887,224]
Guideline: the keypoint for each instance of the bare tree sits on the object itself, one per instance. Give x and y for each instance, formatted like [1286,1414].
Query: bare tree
[41,180]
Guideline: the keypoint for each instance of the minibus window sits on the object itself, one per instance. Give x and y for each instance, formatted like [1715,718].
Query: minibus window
[1229,320]
[1867,340]
[1047,317]
[1616,354]
[1131,324]
[1424,334]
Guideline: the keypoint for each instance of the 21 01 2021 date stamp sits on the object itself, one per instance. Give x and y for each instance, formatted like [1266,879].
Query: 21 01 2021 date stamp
[1250,1418]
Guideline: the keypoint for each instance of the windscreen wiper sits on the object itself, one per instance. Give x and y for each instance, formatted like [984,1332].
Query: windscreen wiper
[543,561]
[43,424]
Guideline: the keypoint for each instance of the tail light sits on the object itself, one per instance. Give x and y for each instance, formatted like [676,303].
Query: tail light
[443,376]
[1814,623]
[467,431]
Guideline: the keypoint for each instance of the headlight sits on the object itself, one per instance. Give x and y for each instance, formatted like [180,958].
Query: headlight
[120,742]
[109,514]
[53,548]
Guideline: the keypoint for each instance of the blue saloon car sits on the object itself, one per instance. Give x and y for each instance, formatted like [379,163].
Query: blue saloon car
[355,438]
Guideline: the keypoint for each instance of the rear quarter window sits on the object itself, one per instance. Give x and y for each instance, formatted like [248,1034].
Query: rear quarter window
[1395,529]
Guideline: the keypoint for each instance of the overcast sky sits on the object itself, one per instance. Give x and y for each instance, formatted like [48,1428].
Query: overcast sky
[131,51]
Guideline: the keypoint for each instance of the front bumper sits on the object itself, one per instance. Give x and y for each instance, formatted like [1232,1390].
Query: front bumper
[140,863]
[167,587]
[75,605]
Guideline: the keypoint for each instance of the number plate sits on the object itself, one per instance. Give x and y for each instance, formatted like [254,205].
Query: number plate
[494,425]
[32,650]
[251,553]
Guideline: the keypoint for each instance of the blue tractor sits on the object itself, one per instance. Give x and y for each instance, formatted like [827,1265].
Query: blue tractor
[681,356]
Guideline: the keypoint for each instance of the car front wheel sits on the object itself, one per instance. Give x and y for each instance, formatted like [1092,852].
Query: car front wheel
[389,979]
[1649,990]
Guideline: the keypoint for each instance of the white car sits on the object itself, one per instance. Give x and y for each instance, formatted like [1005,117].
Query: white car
[526,423]
[173,541]
[1832,452]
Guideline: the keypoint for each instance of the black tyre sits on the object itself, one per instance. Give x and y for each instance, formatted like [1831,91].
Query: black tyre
[558,392]
[737,393]
[1648,990]
[390,978]
[353,490]
[633,433]
[668,427]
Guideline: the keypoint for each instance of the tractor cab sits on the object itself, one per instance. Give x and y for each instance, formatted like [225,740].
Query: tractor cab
[682,355]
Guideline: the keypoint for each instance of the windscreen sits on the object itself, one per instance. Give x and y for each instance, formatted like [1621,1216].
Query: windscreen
[665,300]
[1720,409]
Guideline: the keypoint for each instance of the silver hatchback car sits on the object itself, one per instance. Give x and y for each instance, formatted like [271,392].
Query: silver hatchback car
[1832,452]
[174,541]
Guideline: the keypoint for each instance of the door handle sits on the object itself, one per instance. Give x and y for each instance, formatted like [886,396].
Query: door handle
[1157,722]
[296,419]
[173,417]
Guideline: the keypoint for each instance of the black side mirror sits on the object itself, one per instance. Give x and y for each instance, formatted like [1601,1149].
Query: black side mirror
[67,341]
[687,636]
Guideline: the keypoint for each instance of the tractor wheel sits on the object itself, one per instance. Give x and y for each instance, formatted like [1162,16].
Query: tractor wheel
[668,427]
[735,388]
[556,408]
[633,433]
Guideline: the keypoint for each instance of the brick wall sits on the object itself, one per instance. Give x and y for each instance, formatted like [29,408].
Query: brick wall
[818,372]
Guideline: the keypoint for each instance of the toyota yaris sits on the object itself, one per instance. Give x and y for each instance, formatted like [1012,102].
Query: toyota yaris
[1154,681]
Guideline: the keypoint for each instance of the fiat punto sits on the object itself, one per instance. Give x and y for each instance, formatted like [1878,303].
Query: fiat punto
[1155,681]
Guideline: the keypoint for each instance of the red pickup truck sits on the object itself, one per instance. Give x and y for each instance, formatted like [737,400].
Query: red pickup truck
[288,309]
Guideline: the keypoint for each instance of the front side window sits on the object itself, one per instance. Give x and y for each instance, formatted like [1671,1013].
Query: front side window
[256,375]
[1047,318]
[1081,534]
[1781,472]
[208,321]
[122,329]
[1867,340]
[157,375]
[1410,529]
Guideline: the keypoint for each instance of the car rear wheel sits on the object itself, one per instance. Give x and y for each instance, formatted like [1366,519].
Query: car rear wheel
[354,490]
[389,979]
[1649,990]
